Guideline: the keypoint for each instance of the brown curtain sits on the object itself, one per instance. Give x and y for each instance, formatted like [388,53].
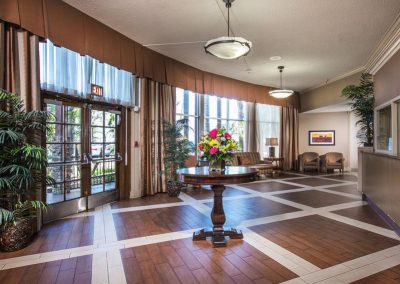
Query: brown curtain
[157,105]
[251,128]
[289,146]
[19,51]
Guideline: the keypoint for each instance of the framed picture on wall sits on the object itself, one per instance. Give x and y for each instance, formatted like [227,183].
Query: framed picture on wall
[321,138]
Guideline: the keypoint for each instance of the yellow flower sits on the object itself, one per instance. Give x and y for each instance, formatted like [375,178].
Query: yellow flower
[213,142]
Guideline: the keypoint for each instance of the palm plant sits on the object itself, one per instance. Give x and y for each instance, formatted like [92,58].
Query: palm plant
[22,162]
[362,104]
[176,147]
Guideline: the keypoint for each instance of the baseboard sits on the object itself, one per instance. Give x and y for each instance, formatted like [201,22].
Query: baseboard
[382,215]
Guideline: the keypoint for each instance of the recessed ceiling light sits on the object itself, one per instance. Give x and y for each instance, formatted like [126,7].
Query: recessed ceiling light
[275,58]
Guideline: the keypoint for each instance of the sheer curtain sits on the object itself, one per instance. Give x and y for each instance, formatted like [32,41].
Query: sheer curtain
[65,71]
[268,126]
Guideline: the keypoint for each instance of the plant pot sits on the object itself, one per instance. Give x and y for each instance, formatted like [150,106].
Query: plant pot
[174,188]
[217,166]
[16,236]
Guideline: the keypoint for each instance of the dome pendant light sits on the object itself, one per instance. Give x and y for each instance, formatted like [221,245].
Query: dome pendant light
[228,47]
[281,94]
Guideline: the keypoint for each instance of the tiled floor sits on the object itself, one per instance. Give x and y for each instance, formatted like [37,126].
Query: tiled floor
[298,228]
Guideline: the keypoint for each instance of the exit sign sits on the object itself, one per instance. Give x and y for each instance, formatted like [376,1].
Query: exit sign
[97,90]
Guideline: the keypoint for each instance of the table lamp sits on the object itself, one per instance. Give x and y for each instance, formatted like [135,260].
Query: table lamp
[271,142]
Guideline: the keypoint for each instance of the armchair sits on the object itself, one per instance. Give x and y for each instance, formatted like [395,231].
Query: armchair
[309,160]
[332,161]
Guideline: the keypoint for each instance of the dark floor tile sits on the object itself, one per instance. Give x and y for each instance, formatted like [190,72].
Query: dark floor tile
[315,198]
[352,189]
[206,192]
[343,177]
[269,186]
[158,221]
[160,198]
[314,181]
[365,214]
[239,210]
[323,241]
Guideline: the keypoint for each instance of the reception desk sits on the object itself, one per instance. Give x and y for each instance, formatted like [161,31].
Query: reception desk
[380,182]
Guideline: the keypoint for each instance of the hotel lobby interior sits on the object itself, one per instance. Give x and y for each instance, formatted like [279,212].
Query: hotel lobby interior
[213,141]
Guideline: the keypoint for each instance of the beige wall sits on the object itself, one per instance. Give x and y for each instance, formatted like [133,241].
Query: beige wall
[328,94]
[338,121]
[387,81]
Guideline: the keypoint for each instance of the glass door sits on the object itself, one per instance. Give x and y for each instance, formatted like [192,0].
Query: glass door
[103,148]
[82,149]
[64,152]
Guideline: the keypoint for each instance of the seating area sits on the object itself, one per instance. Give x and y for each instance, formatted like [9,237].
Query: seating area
[324,163]
[191,142]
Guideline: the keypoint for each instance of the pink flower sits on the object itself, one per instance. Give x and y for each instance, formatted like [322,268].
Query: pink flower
[213,150]
[201,147]
[227,135]
[213,133]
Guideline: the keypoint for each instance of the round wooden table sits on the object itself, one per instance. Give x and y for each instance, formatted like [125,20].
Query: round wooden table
[201,176]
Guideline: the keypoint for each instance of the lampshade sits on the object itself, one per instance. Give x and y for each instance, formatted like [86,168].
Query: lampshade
[228,47]
[271,142]
[281,94]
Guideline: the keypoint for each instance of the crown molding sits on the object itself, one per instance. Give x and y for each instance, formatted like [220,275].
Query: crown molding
[337,78]
[387,47]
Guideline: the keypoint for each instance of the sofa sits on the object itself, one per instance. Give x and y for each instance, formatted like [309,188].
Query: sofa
[331,161]
[252,160]
[309,161]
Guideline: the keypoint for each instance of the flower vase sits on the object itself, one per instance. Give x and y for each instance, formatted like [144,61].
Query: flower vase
[217,166]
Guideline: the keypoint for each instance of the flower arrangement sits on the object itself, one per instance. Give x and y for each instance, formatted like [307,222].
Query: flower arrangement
[217,145]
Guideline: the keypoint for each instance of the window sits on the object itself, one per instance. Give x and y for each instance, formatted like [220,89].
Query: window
[268,126]
[67,72]
[230,114]
[384,123]
[64,149]
[187,107]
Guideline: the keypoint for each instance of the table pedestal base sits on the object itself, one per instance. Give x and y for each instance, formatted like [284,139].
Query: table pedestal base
[218,237]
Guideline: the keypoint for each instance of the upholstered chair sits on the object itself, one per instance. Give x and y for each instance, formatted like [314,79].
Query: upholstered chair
[332,161]
[309,161]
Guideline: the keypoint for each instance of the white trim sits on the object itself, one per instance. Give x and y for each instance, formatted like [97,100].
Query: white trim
[337,78]
[387,47]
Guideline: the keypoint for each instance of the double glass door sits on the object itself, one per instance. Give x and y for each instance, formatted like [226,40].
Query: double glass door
[82,152]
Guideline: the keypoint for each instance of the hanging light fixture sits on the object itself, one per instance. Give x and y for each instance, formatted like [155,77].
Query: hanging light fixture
[228,47]
[281,93]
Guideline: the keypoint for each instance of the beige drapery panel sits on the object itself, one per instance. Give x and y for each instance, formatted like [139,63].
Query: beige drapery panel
[157,105]
[251,128]
[289,146]
[20,64]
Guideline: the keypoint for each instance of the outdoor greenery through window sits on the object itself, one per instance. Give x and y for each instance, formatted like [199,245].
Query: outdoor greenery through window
[187,107]
[64,150]
[227,113]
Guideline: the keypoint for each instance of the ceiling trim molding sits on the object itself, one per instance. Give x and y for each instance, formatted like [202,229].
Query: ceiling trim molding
[337,78]
[387,47]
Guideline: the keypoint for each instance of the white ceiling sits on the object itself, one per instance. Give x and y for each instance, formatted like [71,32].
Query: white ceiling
[318,39]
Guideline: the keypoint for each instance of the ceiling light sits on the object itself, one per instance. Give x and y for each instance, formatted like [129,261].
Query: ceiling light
[281,93]
[228,47]
[275,58]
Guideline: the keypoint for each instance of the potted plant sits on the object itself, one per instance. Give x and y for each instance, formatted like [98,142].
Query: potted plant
[362,104]
[22,166]
[176,151]
[218,147]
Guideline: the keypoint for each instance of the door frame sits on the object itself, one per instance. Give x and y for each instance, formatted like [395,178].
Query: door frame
[87,201]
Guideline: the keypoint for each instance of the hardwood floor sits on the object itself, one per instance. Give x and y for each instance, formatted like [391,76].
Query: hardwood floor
[300,228]
[322,241]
